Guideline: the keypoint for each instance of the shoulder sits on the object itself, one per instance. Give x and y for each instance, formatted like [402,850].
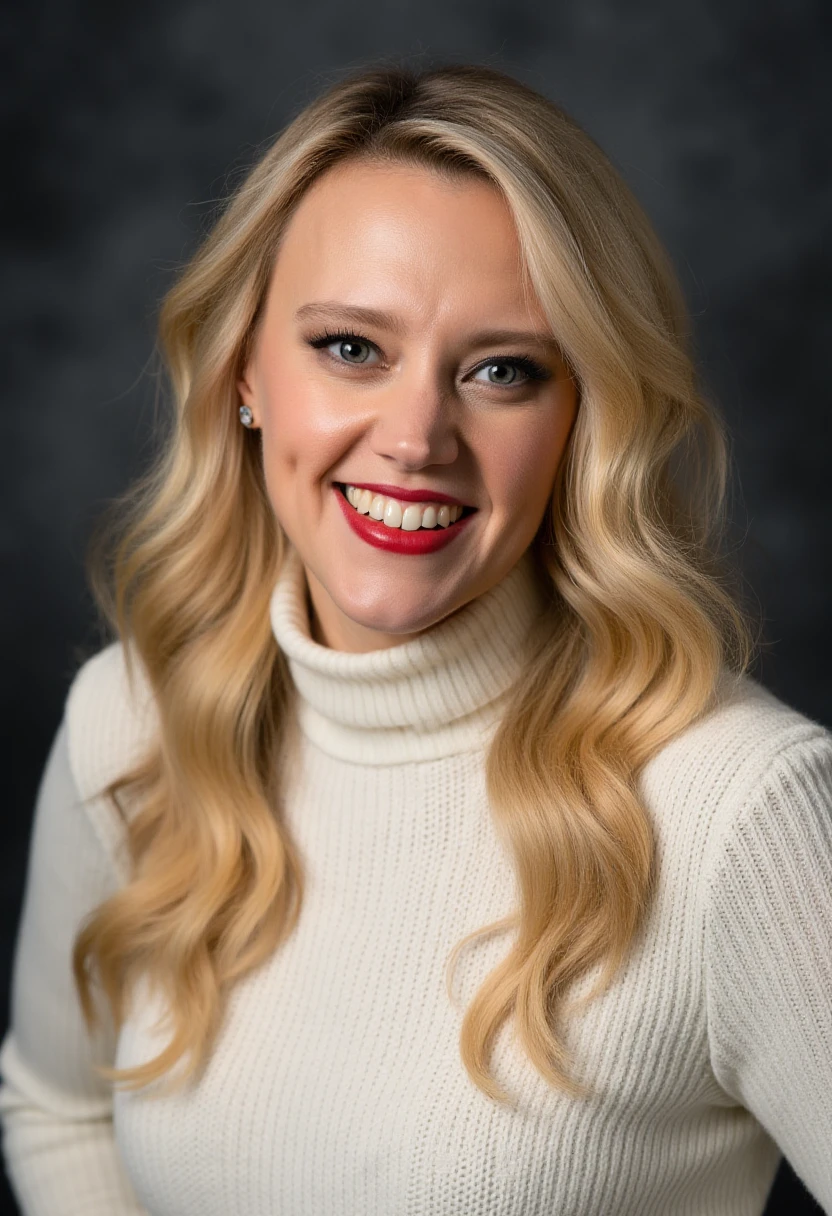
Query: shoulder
[749,743]
[766,928]
[110,718]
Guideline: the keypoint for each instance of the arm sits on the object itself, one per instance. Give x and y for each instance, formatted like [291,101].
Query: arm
[768,959]
[58,1143]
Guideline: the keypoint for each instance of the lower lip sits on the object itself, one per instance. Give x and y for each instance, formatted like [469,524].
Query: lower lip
[394,540]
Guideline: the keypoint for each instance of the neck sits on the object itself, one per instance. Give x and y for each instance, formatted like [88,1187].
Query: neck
[439,692]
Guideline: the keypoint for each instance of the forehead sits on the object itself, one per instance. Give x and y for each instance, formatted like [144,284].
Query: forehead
[404,238]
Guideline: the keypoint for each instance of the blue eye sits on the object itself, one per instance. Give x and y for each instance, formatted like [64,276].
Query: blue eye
[351,351]
[516,363]
[349,346]
[354,350]
[510,378]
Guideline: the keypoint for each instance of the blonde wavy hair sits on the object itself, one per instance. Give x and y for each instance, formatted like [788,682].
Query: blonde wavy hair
[645,621]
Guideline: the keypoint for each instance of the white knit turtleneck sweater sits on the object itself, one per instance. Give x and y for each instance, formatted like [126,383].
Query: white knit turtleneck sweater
[335,1087]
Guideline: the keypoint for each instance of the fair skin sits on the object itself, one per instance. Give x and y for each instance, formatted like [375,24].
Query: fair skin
[418,398]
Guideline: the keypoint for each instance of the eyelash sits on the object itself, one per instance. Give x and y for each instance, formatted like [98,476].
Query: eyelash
[532,369]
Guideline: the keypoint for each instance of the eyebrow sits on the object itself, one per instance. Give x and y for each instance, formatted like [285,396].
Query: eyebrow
[333,310]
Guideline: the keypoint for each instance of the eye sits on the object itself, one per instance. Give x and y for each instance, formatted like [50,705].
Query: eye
[511,372]
[501,373]
[353,352]
[350,348]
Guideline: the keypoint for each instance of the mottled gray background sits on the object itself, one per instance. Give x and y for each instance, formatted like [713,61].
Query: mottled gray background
[123,124]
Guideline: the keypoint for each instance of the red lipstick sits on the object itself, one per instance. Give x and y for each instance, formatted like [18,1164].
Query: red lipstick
[375,532]
[407,495]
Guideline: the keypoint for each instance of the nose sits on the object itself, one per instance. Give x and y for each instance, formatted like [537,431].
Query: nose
[415,424]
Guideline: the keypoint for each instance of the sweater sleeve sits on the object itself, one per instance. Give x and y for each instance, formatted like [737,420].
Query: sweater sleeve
[59,1148]
[768,958]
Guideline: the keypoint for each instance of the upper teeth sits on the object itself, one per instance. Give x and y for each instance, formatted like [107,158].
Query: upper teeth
[407,516]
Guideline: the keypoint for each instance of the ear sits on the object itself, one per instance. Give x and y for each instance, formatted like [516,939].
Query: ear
[245,388]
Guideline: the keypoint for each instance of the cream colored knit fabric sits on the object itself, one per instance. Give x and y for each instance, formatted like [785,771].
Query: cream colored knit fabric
[336,1087]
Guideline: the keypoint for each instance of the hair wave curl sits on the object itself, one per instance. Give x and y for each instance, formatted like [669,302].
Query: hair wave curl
[644,622]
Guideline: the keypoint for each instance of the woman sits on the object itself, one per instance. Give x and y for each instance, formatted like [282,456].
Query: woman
[429,662]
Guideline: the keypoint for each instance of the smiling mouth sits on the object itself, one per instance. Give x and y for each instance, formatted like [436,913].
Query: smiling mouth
[434,522]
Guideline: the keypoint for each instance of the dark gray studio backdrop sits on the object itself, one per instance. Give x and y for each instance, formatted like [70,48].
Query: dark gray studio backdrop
[126,121]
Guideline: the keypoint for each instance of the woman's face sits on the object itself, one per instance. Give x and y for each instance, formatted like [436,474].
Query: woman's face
[397,349]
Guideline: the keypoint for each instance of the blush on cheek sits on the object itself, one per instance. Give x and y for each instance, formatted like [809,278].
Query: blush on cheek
[525,479]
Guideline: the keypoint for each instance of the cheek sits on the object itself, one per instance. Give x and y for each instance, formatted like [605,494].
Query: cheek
[520,469]
[305,431]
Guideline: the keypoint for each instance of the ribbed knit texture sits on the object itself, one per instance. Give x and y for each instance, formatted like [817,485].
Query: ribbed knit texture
[335,1087]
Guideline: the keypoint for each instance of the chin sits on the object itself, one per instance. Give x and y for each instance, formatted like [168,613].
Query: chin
[387,622]
[387,613]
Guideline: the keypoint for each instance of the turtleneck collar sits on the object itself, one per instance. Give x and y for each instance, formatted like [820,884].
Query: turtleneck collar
[434,695]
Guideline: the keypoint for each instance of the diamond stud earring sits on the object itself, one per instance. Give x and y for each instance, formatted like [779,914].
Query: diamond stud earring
[246,416]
